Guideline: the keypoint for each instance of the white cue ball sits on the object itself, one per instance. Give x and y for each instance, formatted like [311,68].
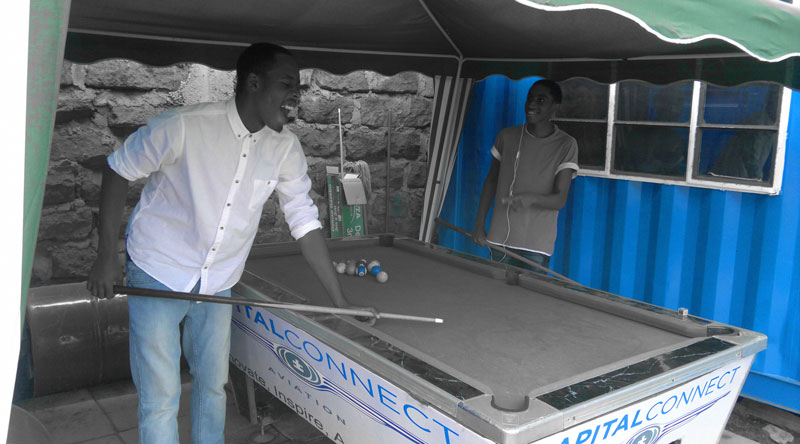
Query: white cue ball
[382,276]
[373,263]
[350,268]
[341,267]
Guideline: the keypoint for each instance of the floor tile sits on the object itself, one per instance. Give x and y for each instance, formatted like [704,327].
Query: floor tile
[296,428]
[130,436]
[113,389]
[113,439]
[75,423]
[55,400]
[121,410]
[732,438]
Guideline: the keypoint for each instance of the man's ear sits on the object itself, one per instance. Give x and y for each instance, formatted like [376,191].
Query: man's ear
[253,82]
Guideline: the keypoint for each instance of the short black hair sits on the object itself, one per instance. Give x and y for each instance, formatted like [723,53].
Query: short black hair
[258,58]
[552,86]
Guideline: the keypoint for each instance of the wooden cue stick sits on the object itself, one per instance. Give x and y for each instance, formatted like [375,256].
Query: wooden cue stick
[120,289]
[505,251]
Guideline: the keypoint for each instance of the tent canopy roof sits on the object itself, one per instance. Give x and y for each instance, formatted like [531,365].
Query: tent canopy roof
[655,41]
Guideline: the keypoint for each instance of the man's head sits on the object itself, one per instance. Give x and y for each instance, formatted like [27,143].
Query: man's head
[267,86]
[543,100]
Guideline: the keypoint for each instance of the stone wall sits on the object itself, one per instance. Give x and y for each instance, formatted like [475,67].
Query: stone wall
[101,104]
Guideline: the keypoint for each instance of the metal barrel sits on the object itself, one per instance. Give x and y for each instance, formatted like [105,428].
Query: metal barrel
[76,340]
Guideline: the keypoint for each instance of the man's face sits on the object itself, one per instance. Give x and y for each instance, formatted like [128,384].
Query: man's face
[540,105]
[277,94]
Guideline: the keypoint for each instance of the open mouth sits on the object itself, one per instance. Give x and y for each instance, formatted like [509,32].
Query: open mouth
[290,111]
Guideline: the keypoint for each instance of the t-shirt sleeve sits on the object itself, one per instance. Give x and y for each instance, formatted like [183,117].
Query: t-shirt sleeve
[145,151]
[570,158]
[497,148]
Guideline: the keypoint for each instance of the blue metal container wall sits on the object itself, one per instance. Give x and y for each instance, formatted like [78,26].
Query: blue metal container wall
[728,256]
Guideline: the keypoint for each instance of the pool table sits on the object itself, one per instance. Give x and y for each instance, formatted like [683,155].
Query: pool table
[520,358]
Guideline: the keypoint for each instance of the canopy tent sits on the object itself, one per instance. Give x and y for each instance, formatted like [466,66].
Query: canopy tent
[724,42]
[605,41]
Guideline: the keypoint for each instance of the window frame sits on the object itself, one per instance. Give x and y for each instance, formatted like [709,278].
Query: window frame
[692,176]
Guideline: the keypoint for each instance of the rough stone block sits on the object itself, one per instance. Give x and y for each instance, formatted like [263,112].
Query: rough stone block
[405,83]
[353,82]
[66,74]
[60,182]
[130,110]
[315,108]
[364,143]
[318,141]
[65,222]
[81,141]
[74,104]
[72,259]
[126,74]
[417,175]
[89,182]
[406,143]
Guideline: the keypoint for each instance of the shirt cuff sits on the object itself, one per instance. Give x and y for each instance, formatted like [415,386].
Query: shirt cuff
[568,166]
[115,164]
[302,230]
[496,154]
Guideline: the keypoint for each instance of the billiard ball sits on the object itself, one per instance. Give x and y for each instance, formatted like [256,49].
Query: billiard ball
[341,267]
[350,268]
[382,276]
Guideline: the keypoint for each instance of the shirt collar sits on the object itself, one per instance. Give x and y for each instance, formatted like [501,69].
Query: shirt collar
[239,130]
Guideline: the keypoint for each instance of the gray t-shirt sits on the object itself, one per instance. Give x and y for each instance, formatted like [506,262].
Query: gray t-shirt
[539,160]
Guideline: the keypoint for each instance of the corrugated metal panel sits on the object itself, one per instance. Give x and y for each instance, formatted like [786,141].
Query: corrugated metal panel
[728,256]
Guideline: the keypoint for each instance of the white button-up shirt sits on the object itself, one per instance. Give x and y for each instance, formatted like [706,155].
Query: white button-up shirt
[208,179]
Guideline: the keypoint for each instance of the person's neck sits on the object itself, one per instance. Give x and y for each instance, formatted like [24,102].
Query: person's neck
[248,115]
[541,129]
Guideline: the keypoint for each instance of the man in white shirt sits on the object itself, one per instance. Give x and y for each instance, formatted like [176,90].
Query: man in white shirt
[210,168]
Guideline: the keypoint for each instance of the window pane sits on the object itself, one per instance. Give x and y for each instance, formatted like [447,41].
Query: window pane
[755,104]
[743,154]
[591,138]
[583,99]
[651,150]
[638,101]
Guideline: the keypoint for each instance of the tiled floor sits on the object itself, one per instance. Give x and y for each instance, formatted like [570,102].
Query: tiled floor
[107,415]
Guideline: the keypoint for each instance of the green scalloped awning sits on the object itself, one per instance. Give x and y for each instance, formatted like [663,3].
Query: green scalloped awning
[768,30]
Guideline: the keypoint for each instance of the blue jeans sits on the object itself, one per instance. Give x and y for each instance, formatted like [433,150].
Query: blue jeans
[155,351]
[537,258]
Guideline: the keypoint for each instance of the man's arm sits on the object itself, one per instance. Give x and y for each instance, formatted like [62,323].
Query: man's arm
[106,270]
[487,196]
[312,244]
[553,201]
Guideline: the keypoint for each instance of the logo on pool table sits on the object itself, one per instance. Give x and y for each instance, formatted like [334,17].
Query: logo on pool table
[646,436]
[298,366]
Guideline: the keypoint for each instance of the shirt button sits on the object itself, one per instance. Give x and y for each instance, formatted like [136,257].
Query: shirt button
[236,181]
[205,268]
[221,228]
[227,204]
[213,249]
[244,155]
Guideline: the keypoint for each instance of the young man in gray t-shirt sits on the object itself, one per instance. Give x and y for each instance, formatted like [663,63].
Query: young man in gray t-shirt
[532,168]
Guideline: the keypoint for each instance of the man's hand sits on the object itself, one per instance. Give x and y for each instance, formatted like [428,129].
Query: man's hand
[479,236]
[370,320]
[105,272]
[519,201]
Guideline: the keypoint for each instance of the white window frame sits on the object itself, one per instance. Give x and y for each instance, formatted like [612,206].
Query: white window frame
[690,180]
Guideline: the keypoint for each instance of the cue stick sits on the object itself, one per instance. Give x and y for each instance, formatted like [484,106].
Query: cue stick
[503,250]
[122,290]
[388,167]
